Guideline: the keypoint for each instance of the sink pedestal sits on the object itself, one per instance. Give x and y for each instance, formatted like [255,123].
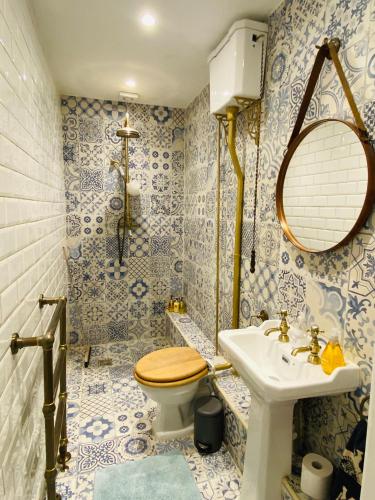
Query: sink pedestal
[276,379]
[268,455]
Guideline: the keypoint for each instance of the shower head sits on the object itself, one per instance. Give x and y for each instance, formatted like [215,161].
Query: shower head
[126,131]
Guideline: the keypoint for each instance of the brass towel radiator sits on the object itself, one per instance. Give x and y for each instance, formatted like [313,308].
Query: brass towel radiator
[55,429]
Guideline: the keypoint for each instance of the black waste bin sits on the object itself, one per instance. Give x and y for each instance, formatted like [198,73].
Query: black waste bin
[208,424]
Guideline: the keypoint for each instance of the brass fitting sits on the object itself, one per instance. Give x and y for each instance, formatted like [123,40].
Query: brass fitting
[313,347]
[283,328]
[262,316]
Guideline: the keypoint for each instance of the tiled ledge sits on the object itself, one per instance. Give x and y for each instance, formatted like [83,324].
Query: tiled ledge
[231,389]
[181,330]
[231,386]
[291,490]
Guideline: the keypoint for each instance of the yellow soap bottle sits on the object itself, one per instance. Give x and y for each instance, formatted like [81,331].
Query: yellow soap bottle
[332,356]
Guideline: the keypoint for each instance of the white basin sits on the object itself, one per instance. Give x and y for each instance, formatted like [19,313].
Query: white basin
[268,367]
[276,379]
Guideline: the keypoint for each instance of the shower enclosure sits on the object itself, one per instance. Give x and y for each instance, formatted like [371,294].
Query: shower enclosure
[112,299]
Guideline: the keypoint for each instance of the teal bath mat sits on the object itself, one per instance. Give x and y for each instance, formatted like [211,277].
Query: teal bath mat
[154,478]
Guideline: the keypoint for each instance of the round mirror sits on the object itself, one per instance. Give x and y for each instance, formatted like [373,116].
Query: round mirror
[325,188]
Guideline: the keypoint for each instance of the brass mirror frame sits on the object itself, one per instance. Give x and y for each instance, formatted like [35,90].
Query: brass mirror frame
[370,192]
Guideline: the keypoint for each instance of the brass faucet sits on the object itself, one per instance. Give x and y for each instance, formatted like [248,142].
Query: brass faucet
[262,315]
[283,328]
[313,347]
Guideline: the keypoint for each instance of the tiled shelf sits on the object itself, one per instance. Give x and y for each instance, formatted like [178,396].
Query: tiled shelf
[231,389]
[230,385]
[291,489]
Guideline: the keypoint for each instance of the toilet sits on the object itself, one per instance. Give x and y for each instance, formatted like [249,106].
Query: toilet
[171,377]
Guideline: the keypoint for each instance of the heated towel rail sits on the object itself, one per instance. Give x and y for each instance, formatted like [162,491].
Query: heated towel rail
[54,380]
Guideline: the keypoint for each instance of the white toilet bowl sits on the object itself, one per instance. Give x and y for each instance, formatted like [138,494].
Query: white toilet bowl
[171,378]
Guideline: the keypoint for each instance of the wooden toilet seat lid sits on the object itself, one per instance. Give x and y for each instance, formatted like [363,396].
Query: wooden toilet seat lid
[170,365]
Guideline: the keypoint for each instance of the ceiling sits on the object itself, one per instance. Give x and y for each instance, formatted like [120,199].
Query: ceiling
[94,47]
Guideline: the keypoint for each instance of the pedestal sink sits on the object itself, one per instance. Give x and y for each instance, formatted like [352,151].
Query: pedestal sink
[276,379]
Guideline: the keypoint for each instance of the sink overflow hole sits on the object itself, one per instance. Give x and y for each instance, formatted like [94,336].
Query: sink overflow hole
[316,465]
[285,359]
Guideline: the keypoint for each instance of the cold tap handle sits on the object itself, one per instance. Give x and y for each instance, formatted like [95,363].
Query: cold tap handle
[283,314]
[314,331]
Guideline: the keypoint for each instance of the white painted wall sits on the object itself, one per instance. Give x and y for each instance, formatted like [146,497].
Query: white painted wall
[32,232]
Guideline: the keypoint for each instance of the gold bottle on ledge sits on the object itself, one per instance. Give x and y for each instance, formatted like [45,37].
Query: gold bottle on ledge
[182,306]
[170,306]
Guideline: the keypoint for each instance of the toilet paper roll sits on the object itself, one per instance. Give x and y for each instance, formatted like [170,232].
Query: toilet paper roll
[316,476]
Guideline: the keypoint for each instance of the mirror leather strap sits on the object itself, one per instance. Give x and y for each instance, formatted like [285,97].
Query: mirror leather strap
[327,51]
[345,86]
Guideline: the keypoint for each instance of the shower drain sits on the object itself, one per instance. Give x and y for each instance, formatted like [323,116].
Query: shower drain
[105,362]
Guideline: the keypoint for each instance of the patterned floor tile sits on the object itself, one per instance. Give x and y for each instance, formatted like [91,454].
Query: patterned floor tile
[109,422]
[97,455]
[67,487]
[96,428]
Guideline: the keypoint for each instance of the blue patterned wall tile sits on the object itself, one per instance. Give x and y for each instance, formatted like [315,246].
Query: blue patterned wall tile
[291,293]
[347,20]
[326,306]
[73,225]
[69,128]
[95,202]
[161,114]
[116,290]
[362,270]
[93,290]
[71,171]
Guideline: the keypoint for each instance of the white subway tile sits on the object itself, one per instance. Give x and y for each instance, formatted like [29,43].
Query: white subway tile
[5,35]
[31,237]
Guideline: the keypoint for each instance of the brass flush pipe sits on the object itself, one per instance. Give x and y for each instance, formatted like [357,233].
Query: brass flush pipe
[223,366]
[232,112]
[213,369]
[218,208]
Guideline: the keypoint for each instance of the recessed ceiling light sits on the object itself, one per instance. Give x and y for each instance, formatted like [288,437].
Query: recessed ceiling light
[130,83]
[148,20]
